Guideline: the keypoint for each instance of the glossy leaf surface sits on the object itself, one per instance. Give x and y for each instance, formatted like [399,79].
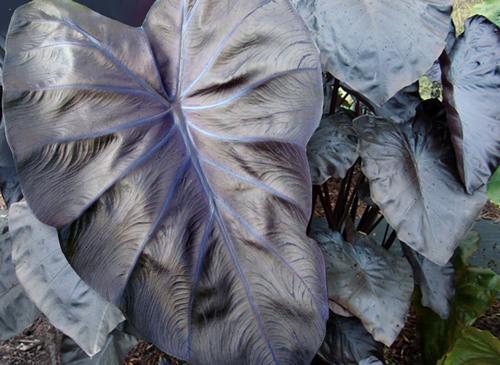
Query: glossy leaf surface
[370,282]
[51,283]
[332,149]
[471,80]
[413,179]
[348,342]
[437,283]
[402,106]
[377,47]
[179,149]
[17,311]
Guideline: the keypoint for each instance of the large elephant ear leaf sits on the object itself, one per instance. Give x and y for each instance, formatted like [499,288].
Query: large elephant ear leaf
[176,151]
[377,47]
[347,342]
[370,282]
[413,179]
[471,80]
[51,283]
[17,311]
[436,282]
[332,149]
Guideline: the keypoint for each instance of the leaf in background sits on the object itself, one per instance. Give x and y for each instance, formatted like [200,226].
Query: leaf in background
[436,282]
[17,311]
[473,347]
[494,187]
[490,9]
[402,106]
[179,149]
[370,282]
[413,179]
[476,289]
[332,149]
[113,352]
[471,80]
[348,342]
[51,283]
[377,47]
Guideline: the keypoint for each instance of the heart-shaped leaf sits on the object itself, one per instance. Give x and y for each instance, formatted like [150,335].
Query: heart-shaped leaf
[402,106]
[473,347]
[179,149]
[332,149]
[347,342]
[51,283]
[436,282]
[370,282]
[471,80]
[377,47]
[17,311]
[413,179]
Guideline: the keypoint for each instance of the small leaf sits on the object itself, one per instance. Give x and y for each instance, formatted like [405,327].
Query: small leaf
[113,352]
[490,9]
[50,282]
[471,80]
[370,282]
[413,179]
[17,311]
[332,149]
[473,347]
[494,187]
[348,342]
[436,282]
[377,47]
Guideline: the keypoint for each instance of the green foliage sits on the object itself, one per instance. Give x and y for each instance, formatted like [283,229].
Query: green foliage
[475,290]
[494,187]
[489,9]
[473,347]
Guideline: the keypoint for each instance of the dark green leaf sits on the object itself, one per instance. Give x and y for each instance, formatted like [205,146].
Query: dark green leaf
[494,187]
[490,9]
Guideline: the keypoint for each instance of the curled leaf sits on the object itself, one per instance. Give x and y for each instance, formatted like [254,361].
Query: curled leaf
[51,283]
[413,179]
[471,80]
[332,149]
[176,153]
[377,47]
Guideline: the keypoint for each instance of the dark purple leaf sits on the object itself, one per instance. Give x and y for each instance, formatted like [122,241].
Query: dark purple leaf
[179,149]
[436,282]
[370,282]
[413,179]
[434,73]
[377,47]
[471,84]
[402,106]
[332,149]
[347,342]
